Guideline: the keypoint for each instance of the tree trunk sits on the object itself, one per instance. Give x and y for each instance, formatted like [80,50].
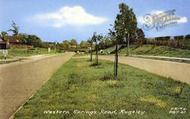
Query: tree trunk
[91,53]
[96,53]
[116,62]
[128,50]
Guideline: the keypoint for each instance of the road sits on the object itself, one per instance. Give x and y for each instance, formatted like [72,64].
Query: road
[161,57]
[20,80]
[175,70]
[175,59]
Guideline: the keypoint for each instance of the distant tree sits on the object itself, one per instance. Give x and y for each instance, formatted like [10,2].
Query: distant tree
[49,45]
[84,44]
[66,45]
[34,41]
[73,42]
[187,36]
[3,35]
[105,42]
[140,37]
[29,39]
[14,29]
[23,38]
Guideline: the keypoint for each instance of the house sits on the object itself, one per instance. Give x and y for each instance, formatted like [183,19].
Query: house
[8,40]
[12,40]
[3,45]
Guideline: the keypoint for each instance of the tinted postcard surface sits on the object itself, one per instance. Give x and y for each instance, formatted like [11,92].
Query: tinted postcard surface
[87,59]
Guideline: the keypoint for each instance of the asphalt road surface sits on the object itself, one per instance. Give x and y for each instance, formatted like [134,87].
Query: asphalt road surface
[20,80]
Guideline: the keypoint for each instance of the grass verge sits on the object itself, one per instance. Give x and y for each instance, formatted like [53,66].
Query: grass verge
[24,52]
[80,91]
[157,51]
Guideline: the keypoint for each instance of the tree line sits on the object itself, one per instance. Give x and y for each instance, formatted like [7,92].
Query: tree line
[14,35]
[182,42]
[20,38]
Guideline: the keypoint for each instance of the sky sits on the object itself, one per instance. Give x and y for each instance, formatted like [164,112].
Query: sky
[59,20]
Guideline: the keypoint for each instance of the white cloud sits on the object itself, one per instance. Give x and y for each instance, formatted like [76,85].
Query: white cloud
[156,12]
[75,15]
[182,20]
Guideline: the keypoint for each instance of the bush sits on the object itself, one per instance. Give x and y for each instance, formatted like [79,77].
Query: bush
[75,79]
[107,76]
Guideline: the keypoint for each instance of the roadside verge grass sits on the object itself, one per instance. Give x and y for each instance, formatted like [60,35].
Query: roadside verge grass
[157,51]
[81,91]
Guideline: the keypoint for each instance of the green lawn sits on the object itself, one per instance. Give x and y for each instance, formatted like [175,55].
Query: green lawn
[157,50]
[78,86]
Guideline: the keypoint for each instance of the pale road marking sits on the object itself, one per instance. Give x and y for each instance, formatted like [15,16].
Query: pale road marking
[174,70]
[20,80]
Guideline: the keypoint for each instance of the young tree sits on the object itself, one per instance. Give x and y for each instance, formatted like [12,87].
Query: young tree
[115,38]
[96,39]
[125,24]
[90,41]
[125,27]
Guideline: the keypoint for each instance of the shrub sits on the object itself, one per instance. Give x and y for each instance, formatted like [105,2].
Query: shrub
[75,79]
[107,76]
